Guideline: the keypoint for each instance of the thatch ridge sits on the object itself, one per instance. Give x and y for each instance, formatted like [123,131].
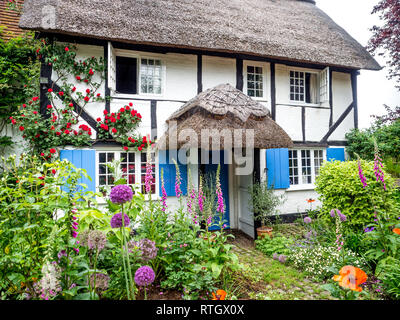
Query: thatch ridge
[282,29]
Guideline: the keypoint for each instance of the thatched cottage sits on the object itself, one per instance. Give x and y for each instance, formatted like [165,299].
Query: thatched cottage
[280,68]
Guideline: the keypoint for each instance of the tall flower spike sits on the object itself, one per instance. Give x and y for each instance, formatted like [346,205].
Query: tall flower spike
[164,193]
[378,166]
[201,195]
[149,172]
[178,191]
[220,206]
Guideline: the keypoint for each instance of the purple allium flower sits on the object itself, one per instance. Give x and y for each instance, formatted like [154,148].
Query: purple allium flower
[121,194]
[116,220]
[275,256]
[97,240]
[83,238]
[282,258]
[148,249]
[144,276]
[102,281]
[342,217]
[307,220]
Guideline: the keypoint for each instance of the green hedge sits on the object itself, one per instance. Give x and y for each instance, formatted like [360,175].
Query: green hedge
[340,187]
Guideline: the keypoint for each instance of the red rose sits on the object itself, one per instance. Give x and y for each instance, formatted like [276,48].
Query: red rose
[73,89]
[126,148]
[49,106]
[52,128]
[35,98]
[78,78]
[89,133]
[98,94]
[41,178]
[61,93]
[66,131]
[75,132]
[50,90]
[86,80]
[86,99]
[114,130]
[58,133]
[71,104]
[139,115]
[113,119]
[121,110]
[140,148]
[24,106]
[53,171]
[42,154]
[91,72]
[66,49]
[105,112]
[13,121]
[130,104]
[21,128]
[52,150]
[98,119]
[87,90]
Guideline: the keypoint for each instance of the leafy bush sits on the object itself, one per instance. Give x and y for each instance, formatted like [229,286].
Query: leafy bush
[389,273]
[277,244]
[340,187]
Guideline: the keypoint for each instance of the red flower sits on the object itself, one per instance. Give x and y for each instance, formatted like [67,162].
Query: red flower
[53,171]
[42,154]
[73,89]
[87,90]
[130,104]
[66,131]
[91,72]
[35,98]
[121,110]
[126,148]
[13,121]
[66,49]
[139,115]
[52,128]
[61,93]
[49,106]
[98,119]
[86,99]
[24,105]
[140,148]
[52,150]
[113,119]
[21,128]
[98,94]
[104,126]
[34,112]
[78,78]
[114,130]
[86,80]
[50,90]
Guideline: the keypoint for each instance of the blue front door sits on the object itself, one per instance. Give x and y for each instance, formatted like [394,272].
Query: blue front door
[210,170]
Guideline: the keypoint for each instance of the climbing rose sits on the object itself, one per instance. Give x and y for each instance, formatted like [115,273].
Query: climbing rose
[144,276]
[121,194]
[52,150]
[116,220]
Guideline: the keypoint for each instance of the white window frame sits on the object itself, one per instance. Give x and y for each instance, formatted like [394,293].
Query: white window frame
[139,56]
[301,185]
[118,151]
[265,67]
[319,74]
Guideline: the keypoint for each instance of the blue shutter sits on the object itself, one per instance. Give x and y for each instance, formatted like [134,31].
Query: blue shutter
[170,173]
[83,159]
[333,154]
[278,168]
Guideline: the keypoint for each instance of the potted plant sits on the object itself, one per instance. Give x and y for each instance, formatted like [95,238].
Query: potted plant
[264,202]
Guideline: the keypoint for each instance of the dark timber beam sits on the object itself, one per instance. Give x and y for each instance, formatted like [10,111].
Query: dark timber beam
[77,108]
[239,74]
[273,92]
[256,179]
[153,115]
[354,75]
[199,73]
[337,123]
[330,97]
[303,122]
[107,91]
[45,82]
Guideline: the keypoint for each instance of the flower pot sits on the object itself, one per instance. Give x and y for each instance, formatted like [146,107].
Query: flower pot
[263,231]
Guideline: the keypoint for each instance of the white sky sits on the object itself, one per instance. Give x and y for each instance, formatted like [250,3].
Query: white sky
[374,89]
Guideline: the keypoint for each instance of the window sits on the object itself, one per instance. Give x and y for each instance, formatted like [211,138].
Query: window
[304,165]
[133,165]
[131,73]
[309,87]
[150,76]
[255,81]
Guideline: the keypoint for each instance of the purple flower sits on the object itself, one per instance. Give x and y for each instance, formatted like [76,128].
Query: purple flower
[282,258]
[61,254]
[148,249]
[149,175]
[307,220]
[178,191]
[333,213]
[97,240]
[101,281]
[144,276]
[342,217]
[369,229]
[380,176]
[164,197]
[116,220]
[361,175]
[121,194]
[275,256]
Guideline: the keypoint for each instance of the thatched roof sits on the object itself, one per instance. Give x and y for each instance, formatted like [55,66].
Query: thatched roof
[223,108]
[283,29]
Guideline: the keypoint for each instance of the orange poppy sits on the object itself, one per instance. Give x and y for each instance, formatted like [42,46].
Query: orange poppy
[351,277]
[219,295]
[396,231]
[310,200]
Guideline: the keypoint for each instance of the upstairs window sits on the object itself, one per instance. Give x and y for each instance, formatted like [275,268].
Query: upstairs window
[304,165]
[130,73]
[255,81]
[309,87]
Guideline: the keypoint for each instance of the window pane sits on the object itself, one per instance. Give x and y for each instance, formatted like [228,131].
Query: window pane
[126,75]
[150,76]
[255,81]
[297,87]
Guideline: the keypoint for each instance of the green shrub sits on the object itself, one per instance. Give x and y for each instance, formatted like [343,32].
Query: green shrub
[277,244]
[340,187]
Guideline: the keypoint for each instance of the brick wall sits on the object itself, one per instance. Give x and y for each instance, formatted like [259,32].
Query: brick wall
[9,20]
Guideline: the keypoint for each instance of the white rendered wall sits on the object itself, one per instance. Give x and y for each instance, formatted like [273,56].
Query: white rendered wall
[217,71]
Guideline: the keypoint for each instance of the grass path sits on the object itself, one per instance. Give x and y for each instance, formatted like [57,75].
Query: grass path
[266,279]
